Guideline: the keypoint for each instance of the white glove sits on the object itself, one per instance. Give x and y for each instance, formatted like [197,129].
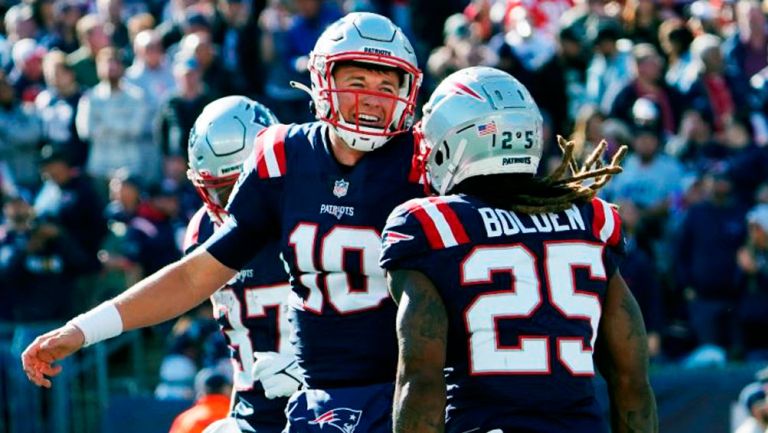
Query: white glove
[280,375]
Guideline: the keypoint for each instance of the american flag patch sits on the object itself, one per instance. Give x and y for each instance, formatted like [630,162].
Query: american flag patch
[486,128]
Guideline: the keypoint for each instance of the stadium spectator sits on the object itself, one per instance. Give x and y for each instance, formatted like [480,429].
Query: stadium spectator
[149,70]
[125,196]
[694,145]
[40,261]
[152,235]
[27,74]
[460,49]
[20,23]
[90,33]
[610,68]
[112,116]
[19,137]
[641,19]
[675,39]
[706,261]
[236,33]
[745,50]
[178,113]
[311,18]
[587,132]
[529,56]
[651,178]
[57,106]
[714,93]
[70,201]
[573,60]
[639,271]
[110,12]
[198,46]
[63,37]
[648,83]
[213,390]
[752,261]
[152,73]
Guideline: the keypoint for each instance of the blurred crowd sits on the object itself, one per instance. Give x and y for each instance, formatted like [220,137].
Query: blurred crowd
[97,99]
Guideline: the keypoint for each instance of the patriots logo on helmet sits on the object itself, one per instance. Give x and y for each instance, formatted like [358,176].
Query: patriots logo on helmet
[393,237]
[343,419]
[461,89]
[340,188]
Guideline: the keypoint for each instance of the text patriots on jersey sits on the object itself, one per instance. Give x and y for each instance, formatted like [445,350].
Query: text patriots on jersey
[241,276]
[337,211]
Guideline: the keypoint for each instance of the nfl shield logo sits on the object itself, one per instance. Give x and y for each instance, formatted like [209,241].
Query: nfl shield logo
[340,188]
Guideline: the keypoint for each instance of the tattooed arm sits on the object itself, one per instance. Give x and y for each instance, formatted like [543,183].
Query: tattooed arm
[422,327]
[622,356]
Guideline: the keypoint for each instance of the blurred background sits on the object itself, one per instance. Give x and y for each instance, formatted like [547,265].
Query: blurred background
[97,99]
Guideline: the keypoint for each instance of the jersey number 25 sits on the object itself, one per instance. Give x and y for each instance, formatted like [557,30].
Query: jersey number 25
[531,356]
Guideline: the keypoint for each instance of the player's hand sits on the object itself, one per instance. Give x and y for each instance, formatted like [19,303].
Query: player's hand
[38,357]
[280,375]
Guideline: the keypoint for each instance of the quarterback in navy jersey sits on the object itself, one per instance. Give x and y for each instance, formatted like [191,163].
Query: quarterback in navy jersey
[323,191]
[509,284]
[251,308]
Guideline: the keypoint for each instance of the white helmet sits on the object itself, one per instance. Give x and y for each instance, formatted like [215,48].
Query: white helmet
[219,142]
[368,38]
[479,121]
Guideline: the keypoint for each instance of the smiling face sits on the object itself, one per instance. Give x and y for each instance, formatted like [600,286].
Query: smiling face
[366,96]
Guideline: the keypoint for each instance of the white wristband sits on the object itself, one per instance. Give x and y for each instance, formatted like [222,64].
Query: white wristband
[99,324]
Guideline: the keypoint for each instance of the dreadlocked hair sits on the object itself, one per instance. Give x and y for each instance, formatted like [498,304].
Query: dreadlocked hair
[553,193]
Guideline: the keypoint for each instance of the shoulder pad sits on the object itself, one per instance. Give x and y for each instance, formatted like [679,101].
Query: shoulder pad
[269,152]
[420,225]
[606,223]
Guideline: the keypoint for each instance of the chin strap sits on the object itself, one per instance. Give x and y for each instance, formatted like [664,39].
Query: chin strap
[453,166]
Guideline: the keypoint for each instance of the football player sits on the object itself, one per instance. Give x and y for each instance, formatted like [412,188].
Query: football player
[323,190]
[507,283]
[251,308]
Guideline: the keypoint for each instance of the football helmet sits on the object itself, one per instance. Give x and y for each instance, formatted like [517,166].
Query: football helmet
[366,38]
[219,142]
[479,121]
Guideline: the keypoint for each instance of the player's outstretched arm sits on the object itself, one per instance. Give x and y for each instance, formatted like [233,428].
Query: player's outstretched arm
[163,295]
[622,356]
[422,328]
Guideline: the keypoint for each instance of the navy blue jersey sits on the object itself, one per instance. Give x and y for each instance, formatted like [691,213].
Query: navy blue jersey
[251,312]
[523,295]
[328,218]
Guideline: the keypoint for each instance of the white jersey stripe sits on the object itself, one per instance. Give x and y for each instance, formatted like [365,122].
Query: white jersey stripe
[608,224]
[273,168]
[443,228]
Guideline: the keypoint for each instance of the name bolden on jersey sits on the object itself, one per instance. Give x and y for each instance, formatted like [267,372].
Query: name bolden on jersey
[504,222]
[337,211]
